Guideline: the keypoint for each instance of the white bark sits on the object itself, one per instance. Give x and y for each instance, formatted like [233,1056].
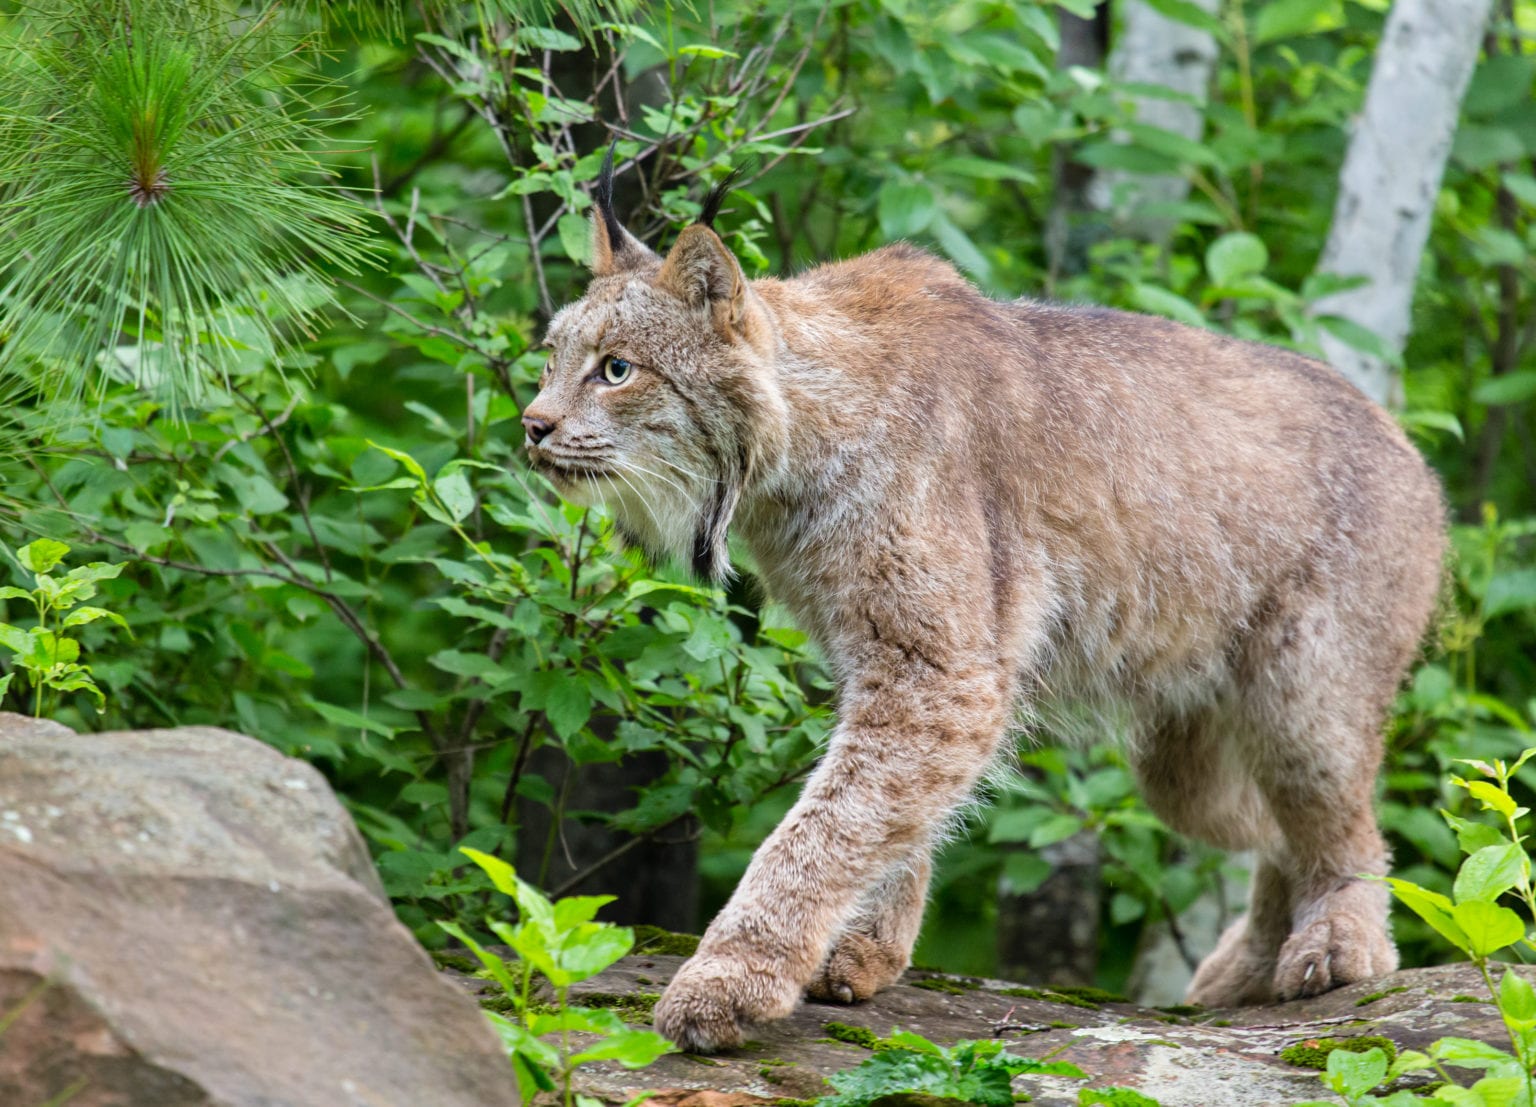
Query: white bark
[1153,49]
[1392,174]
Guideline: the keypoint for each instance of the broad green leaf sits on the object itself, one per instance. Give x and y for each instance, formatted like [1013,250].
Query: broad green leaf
[985,169]
[520,1040]
[905,208]
[1472,835]
[1490,872]
[454,491]
[14,638]
[46,649]
[1488,927]
[1489,795]
[1511,388]
[575,237]
[1477,146]
[468,665]
[1517,999]
[412,466]
[1055,829]
[1409,1060]
[573,910]
[1433,908]
[1286,18]
[1432,420]
[351,720]
[5,683]
[82,615]
[634,1049]
[1191,15]
[1361,338]
[493,964]
[960,248]
[546,38]
[11,592]
[703,50]
[41,555]
[1354,1074]
[1510,590]
[1160,301]
[1235,255]
[1467,1053]
[1522,186]
[591,949]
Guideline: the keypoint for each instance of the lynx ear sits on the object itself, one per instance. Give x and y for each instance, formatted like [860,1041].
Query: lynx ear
[701,272]
[613,248]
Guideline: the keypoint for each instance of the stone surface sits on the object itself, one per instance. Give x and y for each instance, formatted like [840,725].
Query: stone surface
[1179,1060]
[189,917]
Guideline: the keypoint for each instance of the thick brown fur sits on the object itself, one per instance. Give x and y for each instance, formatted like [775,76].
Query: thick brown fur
[982,509]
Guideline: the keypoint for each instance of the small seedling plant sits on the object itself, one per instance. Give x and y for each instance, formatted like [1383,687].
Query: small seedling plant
[563,944]
[978,1073]
[46,653]
[1497,867]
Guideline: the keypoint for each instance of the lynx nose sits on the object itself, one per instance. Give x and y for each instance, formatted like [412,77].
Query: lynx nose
[538,429]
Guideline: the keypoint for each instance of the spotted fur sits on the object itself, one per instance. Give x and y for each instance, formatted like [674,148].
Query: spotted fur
[982,510]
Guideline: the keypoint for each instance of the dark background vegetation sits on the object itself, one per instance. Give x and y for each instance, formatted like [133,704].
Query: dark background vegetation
[312,475]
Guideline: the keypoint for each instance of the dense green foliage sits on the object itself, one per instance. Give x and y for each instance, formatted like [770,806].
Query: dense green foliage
[308,463]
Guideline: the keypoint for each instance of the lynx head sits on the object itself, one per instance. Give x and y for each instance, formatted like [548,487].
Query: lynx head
[660,397]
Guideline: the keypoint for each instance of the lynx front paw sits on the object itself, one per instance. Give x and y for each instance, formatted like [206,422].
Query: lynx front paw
[857,968]
[1340,948]
[712,1000]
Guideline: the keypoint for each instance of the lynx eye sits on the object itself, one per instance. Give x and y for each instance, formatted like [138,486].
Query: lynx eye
[616,370]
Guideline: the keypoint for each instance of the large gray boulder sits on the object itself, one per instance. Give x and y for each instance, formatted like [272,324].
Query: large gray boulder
[189,917]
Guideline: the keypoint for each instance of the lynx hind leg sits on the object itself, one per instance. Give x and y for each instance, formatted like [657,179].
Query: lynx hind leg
[1316,713]
[875,947]
[1191,775]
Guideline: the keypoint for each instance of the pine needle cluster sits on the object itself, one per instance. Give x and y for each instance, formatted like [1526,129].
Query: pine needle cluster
[164,214]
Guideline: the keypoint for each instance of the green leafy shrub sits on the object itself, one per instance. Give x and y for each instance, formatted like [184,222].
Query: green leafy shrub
[50,657]
[979,1073]
[561,944]
[1496,866]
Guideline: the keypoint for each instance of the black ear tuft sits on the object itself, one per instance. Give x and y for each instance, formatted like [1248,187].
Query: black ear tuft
[602,195]
[716,197]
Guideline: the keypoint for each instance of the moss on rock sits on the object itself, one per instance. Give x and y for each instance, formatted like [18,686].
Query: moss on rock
[655,939]
[1312,1053]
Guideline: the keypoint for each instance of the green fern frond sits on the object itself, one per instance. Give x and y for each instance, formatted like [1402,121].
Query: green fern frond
[163,213]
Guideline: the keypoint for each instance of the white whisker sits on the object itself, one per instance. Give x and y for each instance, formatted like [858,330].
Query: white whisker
[634,466]
[689,473]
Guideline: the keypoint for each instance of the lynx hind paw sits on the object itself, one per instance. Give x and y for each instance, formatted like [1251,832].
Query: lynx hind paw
[857,968]
[711,1002]
[1235,974]
[1338,949]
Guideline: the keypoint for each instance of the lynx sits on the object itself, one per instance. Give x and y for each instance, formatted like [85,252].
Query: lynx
[979,508]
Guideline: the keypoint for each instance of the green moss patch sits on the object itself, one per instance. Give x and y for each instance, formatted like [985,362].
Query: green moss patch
[1184,1010]
[458,962]
[1313,1052]
[939,984]
[1374,996]
[1053,996]
[631,1006]
[654,939]
[1087,994]
[851,1035]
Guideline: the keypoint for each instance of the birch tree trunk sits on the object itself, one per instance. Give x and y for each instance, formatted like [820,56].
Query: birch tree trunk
[1391,176]
[1153,49]
[1082,44]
